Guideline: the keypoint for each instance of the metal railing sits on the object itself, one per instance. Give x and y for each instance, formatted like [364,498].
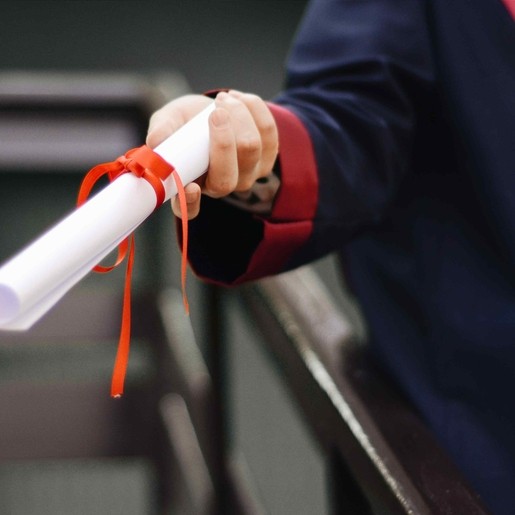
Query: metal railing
[381,456]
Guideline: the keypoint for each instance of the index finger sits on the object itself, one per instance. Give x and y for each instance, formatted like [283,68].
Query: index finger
[173,116]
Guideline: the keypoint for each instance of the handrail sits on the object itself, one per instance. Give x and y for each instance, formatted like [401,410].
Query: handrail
[357,417]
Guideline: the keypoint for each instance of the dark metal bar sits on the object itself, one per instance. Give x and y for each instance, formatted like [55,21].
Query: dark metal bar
[345,496]
[349,406]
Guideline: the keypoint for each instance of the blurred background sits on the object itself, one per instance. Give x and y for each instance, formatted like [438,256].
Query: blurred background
[214,43]
[78,81]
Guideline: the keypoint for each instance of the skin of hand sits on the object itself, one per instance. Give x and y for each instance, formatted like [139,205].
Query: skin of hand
[243,142]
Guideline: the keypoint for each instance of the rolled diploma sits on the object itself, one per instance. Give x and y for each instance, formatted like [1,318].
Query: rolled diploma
[37,278]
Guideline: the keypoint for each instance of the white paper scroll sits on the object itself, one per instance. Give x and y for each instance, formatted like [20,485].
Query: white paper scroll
[36,278]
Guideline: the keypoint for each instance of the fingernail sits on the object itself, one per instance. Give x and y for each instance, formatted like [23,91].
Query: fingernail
[224,99]
[220,117]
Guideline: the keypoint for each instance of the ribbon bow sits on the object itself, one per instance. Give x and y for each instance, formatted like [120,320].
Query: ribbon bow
[147,164]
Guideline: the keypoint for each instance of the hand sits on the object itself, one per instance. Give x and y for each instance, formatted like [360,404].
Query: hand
[243,142]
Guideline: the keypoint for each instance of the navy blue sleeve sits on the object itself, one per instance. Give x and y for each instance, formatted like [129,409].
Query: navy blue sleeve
[358,72]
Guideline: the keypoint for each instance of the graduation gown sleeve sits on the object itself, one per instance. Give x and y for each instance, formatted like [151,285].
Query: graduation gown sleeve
[345,120]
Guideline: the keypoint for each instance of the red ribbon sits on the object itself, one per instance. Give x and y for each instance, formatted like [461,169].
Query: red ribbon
[145,163]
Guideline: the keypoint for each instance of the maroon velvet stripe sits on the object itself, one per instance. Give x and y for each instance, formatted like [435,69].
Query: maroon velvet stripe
[291,222]
[510,5]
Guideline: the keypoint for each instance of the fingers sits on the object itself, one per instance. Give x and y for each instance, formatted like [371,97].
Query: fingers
[245,149]
[222,176]
[173,116]
[243,142]
[267,128]
[193,195]
[247,138]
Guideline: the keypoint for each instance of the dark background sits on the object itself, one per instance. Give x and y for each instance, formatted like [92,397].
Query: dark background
[240,44]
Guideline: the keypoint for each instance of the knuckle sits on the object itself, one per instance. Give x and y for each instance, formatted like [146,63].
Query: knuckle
[228,101]
[269,128]
[252,98]
[245,183]
[224,144]
[249,145]
[222,187]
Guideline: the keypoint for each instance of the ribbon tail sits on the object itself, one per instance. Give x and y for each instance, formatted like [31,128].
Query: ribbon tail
[145,163]
[123,248]
[184,223]
[93,176]
[122,355]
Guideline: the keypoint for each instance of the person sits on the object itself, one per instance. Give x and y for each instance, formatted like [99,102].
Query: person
[393,144]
